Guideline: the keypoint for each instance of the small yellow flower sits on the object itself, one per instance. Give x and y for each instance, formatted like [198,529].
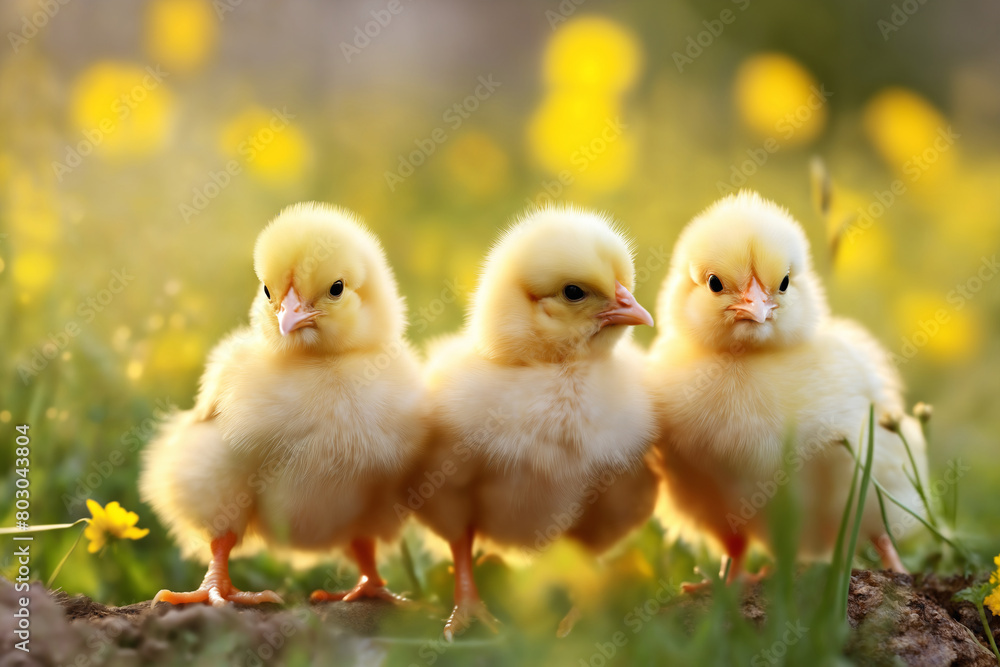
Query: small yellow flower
[776,96]
[112,519]
[992,600]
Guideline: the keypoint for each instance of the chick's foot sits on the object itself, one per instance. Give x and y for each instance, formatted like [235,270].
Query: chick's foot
[217,588]
[464,613]
[367,587]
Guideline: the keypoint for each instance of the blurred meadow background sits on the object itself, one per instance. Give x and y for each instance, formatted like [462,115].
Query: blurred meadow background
[143,145]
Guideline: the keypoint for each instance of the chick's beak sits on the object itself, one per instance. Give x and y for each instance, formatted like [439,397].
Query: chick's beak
[625,311]
[755,303]
[293,314]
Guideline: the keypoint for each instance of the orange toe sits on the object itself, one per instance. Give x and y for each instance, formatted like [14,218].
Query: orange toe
[326,596]
[217,596]
[181,598]
[464,613]
[692,588]
[365,588]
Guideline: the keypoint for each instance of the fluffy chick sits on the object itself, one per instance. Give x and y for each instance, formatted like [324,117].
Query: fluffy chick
[306,422]
[748,355]
[537,410]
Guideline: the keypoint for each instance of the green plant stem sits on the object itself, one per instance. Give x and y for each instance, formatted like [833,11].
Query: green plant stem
[986,629]
[885,519]
[953,519]
[866,479]
[408,565]
[55,573]
[833,583]
[934,531]
[917,482]
[39,529]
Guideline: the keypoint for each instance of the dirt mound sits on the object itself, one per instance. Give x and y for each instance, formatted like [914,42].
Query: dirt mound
[893,616]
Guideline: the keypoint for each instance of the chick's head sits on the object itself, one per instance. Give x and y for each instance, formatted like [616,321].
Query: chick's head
[325,284]
[556,286]
[742,278]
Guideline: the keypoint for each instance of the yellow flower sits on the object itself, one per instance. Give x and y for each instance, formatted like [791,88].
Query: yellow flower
[582,138]
[120,110]
[180,33]
[928,321]
[778,97]
[113,520]
[593,54]
[33,269]
[275,150]
[910,134]
[993,599]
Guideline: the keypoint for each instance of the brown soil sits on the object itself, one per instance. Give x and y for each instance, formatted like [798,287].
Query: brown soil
[893,616]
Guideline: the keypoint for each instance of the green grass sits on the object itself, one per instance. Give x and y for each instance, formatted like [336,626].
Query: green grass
[626,622]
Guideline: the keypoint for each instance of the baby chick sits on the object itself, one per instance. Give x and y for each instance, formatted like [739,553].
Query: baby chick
[748,356]
[307,421]
[537,399]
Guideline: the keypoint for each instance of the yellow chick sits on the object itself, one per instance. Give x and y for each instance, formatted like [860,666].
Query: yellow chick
[749,355]
[307,421]
[537,409]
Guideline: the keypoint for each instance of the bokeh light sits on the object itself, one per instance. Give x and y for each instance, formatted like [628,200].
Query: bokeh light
[776,96]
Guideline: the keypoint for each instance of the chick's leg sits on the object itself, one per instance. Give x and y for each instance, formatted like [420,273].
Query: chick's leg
[370,584]
[736,548]
[216,588]
[468,604]
[887,552]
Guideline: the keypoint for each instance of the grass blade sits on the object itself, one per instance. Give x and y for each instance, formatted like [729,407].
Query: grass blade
[866,477]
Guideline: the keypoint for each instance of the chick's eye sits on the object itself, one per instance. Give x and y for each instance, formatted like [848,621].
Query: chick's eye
[714,283]
[337,288]
[573,292]
[266,293]
[784,284]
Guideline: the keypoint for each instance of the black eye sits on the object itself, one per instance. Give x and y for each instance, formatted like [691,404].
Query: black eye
[266,293]
[573,292]
[714,283]
[337,288]
[784,284]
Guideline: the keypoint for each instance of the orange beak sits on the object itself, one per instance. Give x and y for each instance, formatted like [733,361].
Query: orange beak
[626,311]
[756,303]
[293,314]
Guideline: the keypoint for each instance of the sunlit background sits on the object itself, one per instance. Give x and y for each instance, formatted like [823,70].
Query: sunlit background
[143,145]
